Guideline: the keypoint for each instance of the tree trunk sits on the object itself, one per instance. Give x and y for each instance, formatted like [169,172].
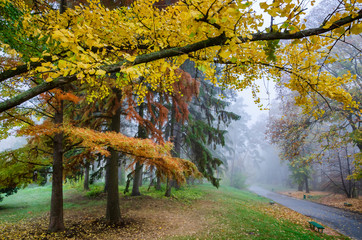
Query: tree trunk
[158,184]
[56,223]
[86,176]
[141,177]
[355,192]
[142,133]
[122,174]
[136,180]
[113,212]
[176,151]
[106,177]
[152,180]
[129,178]
[300,186]
[175,135]
[168,188]
[306,184]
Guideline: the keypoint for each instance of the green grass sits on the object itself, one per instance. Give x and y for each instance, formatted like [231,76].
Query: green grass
[238,219]
[34,201]
[28,202]
[235,212]
[185,194]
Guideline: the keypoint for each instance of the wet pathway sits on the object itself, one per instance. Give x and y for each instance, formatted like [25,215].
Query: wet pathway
[347,223]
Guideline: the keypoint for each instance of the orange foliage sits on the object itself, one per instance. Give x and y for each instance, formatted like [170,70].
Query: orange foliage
[184,90]
[93,142]
[61,95]
[47,128]
[148,124]
[144,151]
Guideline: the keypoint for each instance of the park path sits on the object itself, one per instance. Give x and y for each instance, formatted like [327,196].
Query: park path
[347,223]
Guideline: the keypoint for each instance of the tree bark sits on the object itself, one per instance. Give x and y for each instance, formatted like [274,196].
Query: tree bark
[141,177]
[56,223]
[158,184]
[168,188]
[122,174]
[306,184]
[142,133]
[300,186]
[86,176]
[106,177]
[129,178]
[113,212]
[136,180]
[176,151]
[175,135]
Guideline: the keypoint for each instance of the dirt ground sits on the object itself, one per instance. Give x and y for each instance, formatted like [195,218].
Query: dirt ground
[161,219]
[144,218]
[330,199]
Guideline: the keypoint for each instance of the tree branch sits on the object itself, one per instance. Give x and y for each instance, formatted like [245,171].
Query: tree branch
[173,52]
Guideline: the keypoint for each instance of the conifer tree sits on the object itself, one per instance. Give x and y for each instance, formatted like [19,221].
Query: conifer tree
[207,124]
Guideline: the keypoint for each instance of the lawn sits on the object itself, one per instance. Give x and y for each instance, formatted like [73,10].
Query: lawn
[194,212]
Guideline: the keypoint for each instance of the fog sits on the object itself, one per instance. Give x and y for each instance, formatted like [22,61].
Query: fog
[252,159]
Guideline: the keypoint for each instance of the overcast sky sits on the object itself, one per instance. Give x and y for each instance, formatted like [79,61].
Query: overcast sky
[251,108]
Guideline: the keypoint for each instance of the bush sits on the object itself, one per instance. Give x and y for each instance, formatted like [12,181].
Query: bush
[95,191]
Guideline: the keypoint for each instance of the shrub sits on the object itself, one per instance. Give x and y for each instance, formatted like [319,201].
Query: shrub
[95,191]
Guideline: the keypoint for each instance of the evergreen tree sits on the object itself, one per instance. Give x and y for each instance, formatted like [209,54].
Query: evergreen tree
[206,127]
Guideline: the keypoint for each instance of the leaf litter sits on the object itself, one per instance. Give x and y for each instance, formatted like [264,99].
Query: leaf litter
[144,217]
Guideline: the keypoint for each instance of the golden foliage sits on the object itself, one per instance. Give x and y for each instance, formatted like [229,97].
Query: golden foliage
[91,41]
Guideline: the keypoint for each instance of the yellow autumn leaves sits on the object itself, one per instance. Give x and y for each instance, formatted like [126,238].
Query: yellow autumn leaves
[86,41]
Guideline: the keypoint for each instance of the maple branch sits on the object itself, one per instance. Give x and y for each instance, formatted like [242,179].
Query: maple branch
[173,52]
[28,94]
[22,69]
[303,33]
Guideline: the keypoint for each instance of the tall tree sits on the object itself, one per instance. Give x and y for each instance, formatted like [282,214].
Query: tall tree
[113,212]
[206,127]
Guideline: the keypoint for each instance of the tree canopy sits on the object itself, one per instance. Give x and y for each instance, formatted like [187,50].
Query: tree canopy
[89,42]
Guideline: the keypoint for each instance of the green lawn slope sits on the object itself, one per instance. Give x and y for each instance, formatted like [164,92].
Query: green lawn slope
[194,212]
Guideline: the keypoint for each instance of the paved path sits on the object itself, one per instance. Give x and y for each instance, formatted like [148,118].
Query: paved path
[347,223]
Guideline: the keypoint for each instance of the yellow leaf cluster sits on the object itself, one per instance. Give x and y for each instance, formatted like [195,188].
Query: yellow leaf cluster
[89,41]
